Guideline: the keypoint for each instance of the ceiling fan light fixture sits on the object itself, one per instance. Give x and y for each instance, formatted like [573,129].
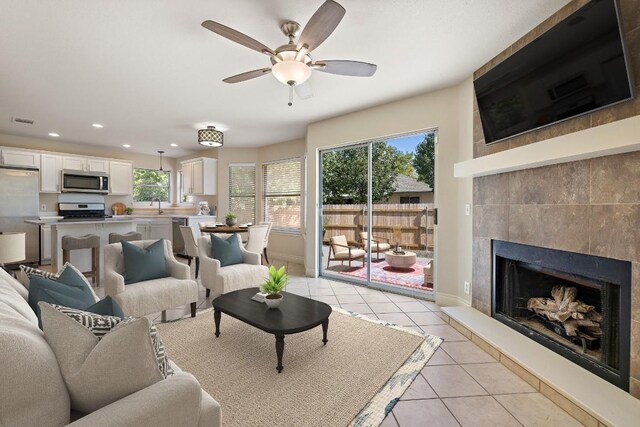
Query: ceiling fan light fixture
[210,137]
[288,69]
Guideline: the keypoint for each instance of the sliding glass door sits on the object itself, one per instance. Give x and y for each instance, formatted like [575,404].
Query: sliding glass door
[376,213]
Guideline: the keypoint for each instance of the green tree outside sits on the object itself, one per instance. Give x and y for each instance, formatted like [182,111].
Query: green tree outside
[424,159]
[344,173]
[149,184]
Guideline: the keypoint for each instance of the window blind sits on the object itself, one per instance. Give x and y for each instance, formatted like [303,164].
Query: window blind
[242,191]
[282,184]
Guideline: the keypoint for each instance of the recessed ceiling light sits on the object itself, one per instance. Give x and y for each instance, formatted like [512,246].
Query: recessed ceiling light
[174,145]
[53,134]
[126,145]
[97,125]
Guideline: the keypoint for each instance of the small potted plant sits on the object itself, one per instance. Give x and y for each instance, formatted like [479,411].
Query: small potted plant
[231,219]
[128,211]
[273,286]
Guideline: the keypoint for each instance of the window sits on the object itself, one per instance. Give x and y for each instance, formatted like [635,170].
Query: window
[409,199]
[242,191]
[149,184]
[282,194]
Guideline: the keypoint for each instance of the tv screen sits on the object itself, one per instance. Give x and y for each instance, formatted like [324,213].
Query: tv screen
[576,67]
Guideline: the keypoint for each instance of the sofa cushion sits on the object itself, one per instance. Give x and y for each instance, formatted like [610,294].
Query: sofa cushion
[103,358]
[106,307]
[27,272]
[227,251]
[142,264]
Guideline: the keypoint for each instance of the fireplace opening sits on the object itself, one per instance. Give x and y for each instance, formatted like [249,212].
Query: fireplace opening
[577,305]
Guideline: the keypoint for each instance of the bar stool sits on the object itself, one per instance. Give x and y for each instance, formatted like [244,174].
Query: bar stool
[128,237]
[90,241]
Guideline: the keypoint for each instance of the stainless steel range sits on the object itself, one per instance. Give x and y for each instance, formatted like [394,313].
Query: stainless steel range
[82,211]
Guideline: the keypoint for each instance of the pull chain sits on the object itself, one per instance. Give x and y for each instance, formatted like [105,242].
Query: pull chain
[290,95]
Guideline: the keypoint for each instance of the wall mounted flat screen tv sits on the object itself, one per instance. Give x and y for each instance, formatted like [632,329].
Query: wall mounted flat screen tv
[576,67]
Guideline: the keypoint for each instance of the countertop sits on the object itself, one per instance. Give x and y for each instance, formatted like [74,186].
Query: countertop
[97,221]
[119,219]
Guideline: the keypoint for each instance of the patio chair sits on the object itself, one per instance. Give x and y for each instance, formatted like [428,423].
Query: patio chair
[376,246]
[342,251]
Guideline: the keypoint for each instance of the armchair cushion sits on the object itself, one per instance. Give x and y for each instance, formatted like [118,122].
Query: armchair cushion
[227,251]
[103,358]
[142,264]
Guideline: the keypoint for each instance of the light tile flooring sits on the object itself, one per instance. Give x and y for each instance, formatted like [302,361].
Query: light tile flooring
[461,385]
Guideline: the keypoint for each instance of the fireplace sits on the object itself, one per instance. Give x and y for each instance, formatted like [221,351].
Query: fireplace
[575,304]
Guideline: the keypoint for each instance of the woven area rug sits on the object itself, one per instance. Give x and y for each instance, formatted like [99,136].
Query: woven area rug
[412,277]
[352,381]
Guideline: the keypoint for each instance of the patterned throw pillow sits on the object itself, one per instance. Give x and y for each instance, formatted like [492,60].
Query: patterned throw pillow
[100,325]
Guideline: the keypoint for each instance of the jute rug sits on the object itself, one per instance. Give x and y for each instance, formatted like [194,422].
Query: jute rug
[353,380]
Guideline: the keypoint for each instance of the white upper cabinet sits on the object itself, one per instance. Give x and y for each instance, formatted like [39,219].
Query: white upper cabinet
[50,166]
[199,176]
[121,178]
[85,164]
[97,165]
[28,159]
[73,163]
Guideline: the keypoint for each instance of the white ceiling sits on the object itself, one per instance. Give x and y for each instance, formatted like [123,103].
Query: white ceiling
[149,72]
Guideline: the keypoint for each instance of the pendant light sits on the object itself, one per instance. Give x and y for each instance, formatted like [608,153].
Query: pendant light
[161,153]
[210,137]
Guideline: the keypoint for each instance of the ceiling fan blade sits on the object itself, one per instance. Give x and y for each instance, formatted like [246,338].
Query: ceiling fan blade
[321,25]
[304,90]
[346,68]
[237,37]
[247,76]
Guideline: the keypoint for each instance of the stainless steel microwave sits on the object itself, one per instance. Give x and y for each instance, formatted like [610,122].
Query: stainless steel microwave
[85,182]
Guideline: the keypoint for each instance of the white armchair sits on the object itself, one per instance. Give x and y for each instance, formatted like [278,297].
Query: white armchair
[151,296]
[220,280]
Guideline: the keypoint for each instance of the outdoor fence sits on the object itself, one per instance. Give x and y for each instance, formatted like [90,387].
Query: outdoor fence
[410,225]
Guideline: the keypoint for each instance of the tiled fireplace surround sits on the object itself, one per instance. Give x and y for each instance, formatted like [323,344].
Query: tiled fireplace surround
[589,206]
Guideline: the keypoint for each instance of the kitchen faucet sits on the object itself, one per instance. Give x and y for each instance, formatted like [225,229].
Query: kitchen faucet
[155,199]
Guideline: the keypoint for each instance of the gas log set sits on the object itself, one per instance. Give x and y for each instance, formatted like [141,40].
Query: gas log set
[568,317]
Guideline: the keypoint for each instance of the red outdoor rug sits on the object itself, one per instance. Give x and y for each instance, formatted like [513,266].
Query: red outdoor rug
[381,272]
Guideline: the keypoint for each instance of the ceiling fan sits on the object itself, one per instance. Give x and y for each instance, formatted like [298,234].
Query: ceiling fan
[291,62]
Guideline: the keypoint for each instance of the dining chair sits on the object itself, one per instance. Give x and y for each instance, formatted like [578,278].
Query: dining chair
[257,236]
[191,245]
[266,239]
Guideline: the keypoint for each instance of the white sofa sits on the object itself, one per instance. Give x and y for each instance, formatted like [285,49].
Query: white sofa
[33,392]
[151,296]
[250,273]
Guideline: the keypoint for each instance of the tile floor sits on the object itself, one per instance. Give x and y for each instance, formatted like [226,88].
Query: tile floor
[461,385]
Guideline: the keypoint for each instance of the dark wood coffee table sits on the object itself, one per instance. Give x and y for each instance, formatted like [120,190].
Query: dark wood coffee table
[295,314]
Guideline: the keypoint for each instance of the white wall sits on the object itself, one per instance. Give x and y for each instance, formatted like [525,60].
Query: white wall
[450,111]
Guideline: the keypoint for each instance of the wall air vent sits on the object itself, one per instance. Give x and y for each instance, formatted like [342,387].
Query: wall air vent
[21,120]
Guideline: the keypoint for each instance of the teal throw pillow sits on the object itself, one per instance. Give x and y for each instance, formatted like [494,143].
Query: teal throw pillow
[142,264]
[227,251]
[106,307]
[74,294]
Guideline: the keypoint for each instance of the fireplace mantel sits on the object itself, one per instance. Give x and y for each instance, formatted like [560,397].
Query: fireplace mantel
[618,137]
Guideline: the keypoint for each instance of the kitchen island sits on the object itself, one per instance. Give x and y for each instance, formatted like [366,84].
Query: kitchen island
[100,227]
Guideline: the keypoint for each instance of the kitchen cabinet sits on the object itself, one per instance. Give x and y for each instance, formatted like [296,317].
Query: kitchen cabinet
[73,163]
[85,164]
[155,229]
[27,159]
[199,176]
[45,244]
[97,165]
[121,178]
[50,166]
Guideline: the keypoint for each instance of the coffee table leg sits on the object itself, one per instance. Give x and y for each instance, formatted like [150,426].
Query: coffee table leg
[279,351]
[216,317]
[325,329]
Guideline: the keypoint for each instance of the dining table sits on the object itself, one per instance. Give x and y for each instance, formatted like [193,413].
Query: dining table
[226,229]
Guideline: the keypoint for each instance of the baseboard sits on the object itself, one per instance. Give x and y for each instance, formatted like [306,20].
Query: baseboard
[447,300]
[311,272]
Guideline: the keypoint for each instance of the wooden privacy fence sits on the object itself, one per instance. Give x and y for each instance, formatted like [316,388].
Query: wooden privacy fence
[411,225]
